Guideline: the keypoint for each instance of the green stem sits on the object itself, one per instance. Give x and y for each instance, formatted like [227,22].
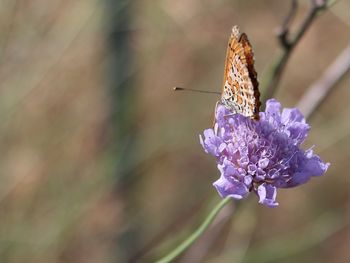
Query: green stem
[190,240]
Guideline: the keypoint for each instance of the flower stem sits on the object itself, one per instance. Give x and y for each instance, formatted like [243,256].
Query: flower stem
[193,237]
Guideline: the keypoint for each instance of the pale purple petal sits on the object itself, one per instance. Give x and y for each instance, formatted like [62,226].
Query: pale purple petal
[227,188]
[295,125]
[211,142]
[267,195]
[292,115]
[263,163]
[273,108]
[315,166]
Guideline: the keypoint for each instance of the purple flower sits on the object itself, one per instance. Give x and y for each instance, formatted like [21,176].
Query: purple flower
[261,156]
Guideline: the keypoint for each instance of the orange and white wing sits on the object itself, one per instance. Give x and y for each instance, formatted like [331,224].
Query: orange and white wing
[240,88]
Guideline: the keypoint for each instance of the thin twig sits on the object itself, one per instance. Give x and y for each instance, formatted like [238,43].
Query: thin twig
[289,44]
[321,88]
[283,31]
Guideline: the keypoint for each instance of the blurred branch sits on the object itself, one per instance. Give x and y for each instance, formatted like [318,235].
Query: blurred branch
[320,89]
[283,31]
[122,133]
[288,44]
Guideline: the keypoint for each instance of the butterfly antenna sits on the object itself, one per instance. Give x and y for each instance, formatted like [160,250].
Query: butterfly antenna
[196,90]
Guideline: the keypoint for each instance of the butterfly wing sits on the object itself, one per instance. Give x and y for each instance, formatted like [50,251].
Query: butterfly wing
[249,55]
[240,88]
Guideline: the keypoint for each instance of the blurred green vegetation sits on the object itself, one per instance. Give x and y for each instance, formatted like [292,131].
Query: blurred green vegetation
[100,160]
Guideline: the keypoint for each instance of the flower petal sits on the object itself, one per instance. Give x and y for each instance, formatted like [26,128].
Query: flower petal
[316,166]
[273,111]
[267,195]
[273,107]
[290,115]
[211,142]
[232,189]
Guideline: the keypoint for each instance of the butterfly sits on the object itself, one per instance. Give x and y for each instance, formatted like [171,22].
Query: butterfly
[240,92]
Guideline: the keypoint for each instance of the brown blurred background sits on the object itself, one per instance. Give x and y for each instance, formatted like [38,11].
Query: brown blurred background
[100,159]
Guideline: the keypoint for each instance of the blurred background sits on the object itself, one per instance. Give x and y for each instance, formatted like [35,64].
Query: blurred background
[100,159]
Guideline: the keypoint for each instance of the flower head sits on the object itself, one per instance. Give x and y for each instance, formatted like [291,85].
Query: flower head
[261,156]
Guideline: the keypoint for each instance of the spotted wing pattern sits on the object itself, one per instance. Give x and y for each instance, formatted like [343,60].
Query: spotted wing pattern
[240,88]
